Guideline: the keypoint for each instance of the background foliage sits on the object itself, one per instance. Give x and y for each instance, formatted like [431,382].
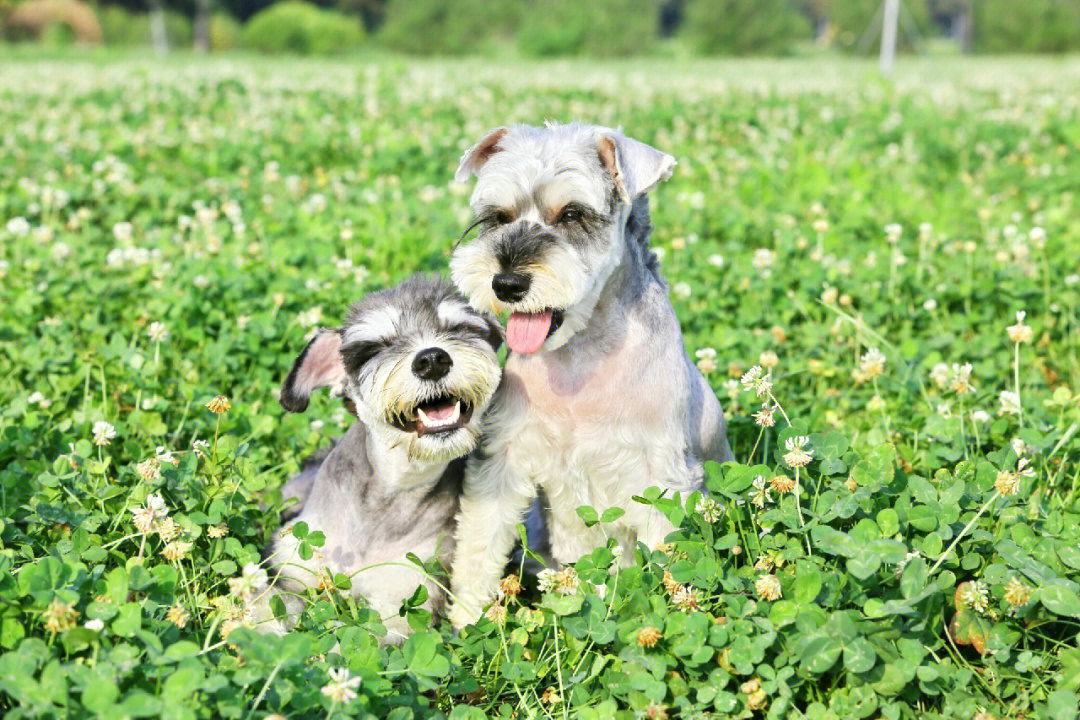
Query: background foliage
[172,231]
[542,28]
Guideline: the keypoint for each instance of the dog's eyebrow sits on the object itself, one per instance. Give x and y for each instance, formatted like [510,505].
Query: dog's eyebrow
[454,314]
[378,325]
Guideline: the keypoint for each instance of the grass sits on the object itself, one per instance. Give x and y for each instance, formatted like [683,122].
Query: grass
[171,230]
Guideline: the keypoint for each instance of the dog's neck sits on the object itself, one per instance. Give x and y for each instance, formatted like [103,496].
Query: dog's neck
[395,470]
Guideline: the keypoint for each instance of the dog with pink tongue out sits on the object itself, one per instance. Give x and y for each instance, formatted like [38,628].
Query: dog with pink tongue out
[599,399]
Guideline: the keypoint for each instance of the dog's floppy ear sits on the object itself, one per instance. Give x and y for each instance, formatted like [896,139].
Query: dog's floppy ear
[319,365]
[635,167]
[478,154]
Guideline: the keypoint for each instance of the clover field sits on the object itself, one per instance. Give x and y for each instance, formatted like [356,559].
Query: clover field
[901,538]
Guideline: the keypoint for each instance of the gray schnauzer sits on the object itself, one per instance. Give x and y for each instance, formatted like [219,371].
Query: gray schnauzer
[420,367]
[599,399]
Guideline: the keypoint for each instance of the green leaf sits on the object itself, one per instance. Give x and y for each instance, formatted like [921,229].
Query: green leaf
[1060,599]
[821,653]
[859,655]
[1062,705]
[588,515]
[612,514]
[889,522]
[913,580]
[807,583]
[863,566]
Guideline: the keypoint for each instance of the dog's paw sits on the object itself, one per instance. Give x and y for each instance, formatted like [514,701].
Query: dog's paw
[461,615]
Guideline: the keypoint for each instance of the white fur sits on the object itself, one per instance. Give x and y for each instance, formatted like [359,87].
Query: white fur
[375,325]
[590,423]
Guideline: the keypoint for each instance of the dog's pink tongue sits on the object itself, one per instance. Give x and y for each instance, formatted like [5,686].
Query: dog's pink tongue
[440,412]
[526,332]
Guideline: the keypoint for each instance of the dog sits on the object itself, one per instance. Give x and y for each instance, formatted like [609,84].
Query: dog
[420,368]
[599,399]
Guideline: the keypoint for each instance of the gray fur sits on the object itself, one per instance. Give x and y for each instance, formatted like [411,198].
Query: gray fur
[385,491]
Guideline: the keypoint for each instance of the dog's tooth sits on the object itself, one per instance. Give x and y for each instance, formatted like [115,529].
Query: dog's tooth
[423,417]
[457,413]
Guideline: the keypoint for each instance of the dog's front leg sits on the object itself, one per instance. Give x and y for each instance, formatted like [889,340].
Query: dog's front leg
[493,502]
[653,527]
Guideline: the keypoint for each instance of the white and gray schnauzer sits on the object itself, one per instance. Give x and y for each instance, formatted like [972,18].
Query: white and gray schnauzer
[599,399]
[420,367]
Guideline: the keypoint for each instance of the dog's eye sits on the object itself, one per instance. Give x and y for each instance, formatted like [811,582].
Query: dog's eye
[570,214]
[502,217]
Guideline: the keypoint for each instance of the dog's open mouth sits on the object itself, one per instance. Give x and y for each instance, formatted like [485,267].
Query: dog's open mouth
[432,417]
[526,332]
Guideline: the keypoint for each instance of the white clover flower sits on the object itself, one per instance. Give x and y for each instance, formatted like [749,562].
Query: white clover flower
[310,318]
[1037,237]
[94,625]
[122,231]
[960,380]
[252,578]
[1010,403]
[342,686]
[939,374]
[1020,333]
[764,259]
[546,579]
[716,260]
[798,455]
[893,231]
[103,433]
[761,494]
[757,380]
[157,331]
[682,290]
[872,363]
[930,305]
[976,596]
[731,387]
[710,510]
[980,416]
[1024,469]
[18,226]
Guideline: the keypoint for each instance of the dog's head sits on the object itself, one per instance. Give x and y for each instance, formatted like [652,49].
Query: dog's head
[553,204]
[419,364]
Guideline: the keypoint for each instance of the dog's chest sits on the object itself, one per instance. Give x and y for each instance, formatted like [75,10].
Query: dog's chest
[598,434]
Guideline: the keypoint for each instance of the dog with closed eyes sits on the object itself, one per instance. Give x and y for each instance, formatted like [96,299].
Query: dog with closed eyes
[420,367]
[599,399]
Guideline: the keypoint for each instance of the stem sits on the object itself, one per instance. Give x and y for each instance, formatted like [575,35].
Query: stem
[780,408]
[558,668]
[963,532]
[265,688]
[1016,380]
[798,509]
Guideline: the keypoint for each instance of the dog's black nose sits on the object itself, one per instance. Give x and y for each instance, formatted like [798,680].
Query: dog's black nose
[431,364]
[510,286]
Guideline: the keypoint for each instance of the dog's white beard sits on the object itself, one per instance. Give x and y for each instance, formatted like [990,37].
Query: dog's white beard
[577,316]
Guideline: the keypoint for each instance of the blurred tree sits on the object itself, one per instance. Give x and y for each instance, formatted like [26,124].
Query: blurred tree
[447,27]
[671,16]
[597,27]
[1026,25]
[735,27]
[202,25]
[372,12]
[244,9]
